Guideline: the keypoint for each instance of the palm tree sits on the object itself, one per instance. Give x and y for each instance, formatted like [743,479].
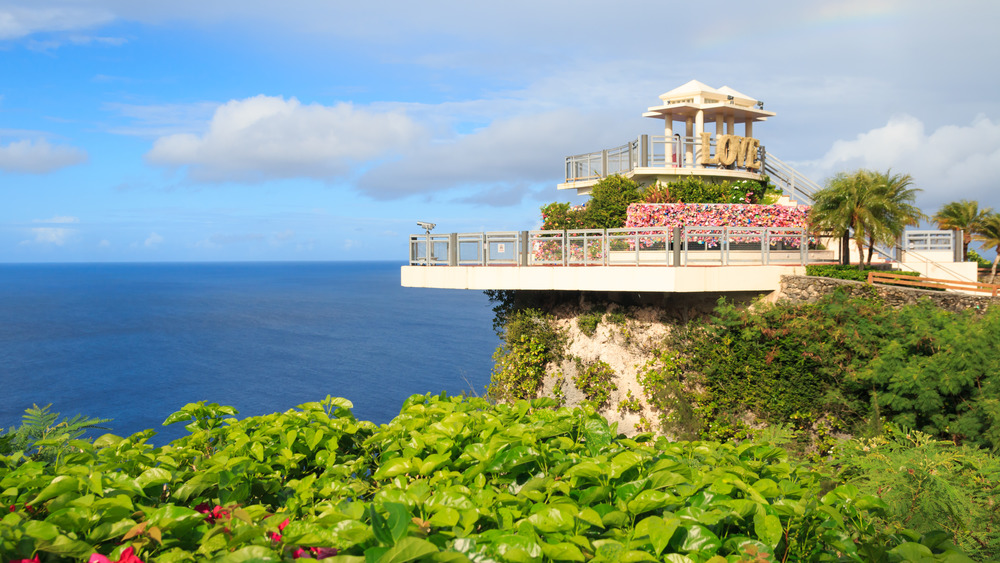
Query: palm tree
[988,233]
[893,209]
[847,205]
[964,215]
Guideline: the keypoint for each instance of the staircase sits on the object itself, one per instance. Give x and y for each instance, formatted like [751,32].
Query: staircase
[796,186]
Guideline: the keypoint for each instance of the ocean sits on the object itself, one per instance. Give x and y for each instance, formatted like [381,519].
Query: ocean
[135,342]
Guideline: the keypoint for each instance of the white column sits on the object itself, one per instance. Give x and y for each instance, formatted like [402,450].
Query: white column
[731,125]
[748,126]
[718,125]
[699,127]
[689,144]
[668,132]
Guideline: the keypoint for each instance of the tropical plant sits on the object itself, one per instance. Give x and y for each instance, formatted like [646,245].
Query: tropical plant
[964,215]
[988,234]
[448,480]
[562,216]
[894,209]
[870,207]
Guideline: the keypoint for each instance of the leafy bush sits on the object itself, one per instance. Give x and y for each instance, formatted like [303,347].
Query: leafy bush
[449,479]
[974,256]
[41,438]
[587,322]
[530,342]
[941,375]
[698,190]
[596,381]
[929,484]
[609,201]
[848,272]
[563,216]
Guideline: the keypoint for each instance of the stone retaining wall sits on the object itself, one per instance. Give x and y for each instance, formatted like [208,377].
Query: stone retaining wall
[807,289]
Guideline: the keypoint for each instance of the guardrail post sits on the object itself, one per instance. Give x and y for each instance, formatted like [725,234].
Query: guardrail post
[524,248]
[429,251]
[453,249]
[677,245]
[644,151]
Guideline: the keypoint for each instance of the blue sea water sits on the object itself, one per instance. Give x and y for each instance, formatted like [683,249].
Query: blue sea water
[135,342]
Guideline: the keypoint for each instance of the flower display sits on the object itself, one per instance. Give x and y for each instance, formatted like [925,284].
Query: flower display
[670,215]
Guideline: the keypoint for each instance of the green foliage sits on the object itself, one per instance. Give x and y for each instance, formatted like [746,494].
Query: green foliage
[449,479]
[563,216]
[842,360]
[942,375]
[870,207]
[698,190]
[845,272]
[41,438]
[595,380]
[587,322]
[630,404]
[973,256]
[929,484]
[609,201]
[503,307]
[964,215]
[530,341]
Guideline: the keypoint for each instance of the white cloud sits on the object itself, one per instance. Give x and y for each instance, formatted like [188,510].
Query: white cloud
[153,240]
[38,157]
[265,137]
[505,155]
[50,235]
[59,219]
[950,163]
[20,21]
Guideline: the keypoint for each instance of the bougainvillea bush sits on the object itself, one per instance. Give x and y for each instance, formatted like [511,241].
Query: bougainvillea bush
[449,479]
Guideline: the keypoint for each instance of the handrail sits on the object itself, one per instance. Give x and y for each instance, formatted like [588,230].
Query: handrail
[932,283]
[788,177]
[629,246]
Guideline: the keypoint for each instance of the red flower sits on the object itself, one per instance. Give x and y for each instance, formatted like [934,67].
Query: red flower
[275,536]
[34,559]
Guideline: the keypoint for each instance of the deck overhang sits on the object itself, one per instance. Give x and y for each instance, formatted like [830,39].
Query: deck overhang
[689,279]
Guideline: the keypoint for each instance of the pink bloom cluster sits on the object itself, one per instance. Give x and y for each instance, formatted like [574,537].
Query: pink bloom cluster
[127,556]
[669,215]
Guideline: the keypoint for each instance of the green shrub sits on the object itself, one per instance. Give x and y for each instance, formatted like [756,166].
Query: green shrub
[563,216]
[974,256]
[530,341]
[609,201]
[41,438]
[448,479]
[928,485]
[630,404]
[587,322]
[848,272]
[595,380]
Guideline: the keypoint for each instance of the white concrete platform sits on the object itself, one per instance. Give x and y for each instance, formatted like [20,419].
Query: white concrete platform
[689,279]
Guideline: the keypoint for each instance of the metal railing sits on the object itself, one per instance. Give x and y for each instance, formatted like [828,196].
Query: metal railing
[633,246]
[646,151]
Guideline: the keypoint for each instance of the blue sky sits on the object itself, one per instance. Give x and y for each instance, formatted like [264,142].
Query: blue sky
[318,130]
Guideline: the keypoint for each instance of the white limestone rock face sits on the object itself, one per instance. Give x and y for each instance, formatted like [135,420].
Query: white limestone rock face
[625,347]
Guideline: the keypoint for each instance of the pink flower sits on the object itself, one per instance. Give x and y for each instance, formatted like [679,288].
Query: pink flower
[127,556]
[34,559]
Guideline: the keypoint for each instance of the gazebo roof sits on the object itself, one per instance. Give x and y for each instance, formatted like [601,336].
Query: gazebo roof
[686,100]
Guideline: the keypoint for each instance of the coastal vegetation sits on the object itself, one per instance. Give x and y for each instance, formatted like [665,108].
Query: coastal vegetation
[448,479]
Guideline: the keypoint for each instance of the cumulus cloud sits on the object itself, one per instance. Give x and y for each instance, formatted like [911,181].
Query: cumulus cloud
[952,162]
[266,137]
[38,157]
[153,240]
[506,155]
[52,235]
